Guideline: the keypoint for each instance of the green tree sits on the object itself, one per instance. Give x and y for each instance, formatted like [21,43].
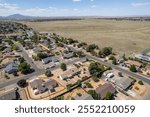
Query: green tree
[41,55]
[114,61]
[79,83]
[69,86]
[94,94]
[108,96]
[107,51]
[24,67]
[95,79]
[15,47]
[95,69]
[141,82]
[133,68]
[48,73]
[63,66]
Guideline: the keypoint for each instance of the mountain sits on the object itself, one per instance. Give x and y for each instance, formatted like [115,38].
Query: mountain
[17,16]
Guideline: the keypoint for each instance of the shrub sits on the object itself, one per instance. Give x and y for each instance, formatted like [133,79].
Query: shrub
[140,82]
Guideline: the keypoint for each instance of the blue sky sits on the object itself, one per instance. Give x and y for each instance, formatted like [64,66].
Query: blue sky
[75,7]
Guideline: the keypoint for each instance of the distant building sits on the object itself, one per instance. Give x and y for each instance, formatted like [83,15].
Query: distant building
[143,57]
[70,74]
[11,68]
[84,97]
[102,90]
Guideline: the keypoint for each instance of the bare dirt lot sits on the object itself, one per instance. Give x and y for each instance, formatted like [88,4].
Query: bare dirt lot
[123,36]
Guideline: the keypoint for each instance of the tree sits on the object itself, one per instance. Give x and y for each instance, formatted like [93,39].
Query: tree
[24,67]
[95,79]
[88,85]
[21,59]
[133,68]
[111,58]
[63,66]
[107,51]
[124,57]
[108,96]
[41,55]
[141,82]
[100,53]
[95,69]
[69,86]
[120,74]
[48,73]
[79,53]
[79,83]
[94,94]
[15,47]
[114,61]
[91,47]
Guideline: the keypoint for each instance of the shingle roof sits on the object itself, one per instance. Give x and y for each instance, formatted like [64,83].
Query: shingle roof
[104,89]
[124,83]
[11,66]
[10,95]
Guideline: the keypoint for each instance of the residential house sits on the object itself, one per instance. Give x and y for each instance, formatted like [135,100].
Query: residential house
[102,90]
[68,56]
[124,83]
[10,95]
[11,68]
[129,63]
[49,59]
[143,57]
[51,85]
[70,74]
[39,86]
[7,50]
[84,97]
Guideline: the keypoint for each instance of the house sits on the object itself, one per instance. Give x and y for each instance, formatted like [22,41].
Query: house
[124,83]
[84,97]
[39,86]
[129,63]
[70,74]
[11,68]
[51,85]
[49,59]
[7,50]
[102,90]
[146,70]
[143,57]
[10,95]
[68,56]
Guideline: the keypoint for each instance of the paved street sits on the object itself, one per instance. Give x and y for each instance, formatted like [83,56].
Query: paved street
[26,57]
[37,72]
[134,75]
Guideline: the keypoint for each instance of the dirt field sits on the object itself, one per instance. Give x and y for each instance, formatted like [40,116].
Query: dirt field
[124,36]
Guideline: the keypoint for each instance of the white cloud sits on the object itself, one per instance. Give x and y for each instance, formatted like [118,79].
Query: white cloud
[76,0]
[91,0]
[140,4]
[6,6]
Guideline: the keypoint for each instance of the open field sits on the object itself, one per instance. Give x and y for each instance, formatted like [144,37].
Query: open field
[124,36]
